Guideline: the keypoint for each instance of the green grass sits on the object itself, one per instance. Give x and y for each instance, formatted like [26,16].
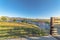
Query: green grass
[8,31]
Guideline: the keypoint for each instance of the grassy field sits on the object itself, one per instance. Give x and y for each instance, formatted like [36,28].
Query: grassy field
[13,24]
[14,30]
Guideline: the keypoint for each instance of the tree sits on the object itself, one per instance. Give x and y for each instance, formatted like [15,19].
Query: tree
[47,22]
[24,21]
[14,20]
[3,18]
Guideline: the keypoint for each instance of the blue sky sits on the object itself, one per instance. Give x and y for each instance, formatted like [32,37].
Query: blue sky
[30,8]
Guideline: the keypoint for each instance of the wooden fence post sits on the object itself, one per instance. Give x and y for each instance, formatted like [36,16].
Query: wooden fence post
[53,30]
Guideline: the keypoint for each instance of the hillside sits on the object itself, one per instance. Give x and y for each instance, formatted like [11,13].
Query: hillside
[14,24]
[14,29]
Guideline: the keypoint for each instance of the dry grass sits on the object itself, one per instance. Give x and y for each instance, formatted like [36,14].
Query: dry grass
[14,24]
